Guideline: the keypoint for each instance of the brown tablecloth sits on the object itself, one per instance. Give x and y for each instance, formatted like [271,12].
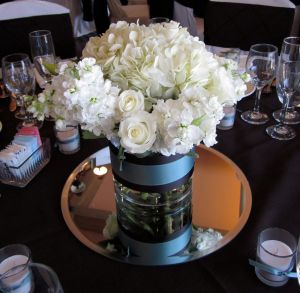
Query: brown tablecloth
[32,216]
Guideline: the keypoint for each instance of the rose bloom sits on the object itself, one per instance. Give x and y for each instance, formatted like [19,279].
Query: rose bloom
[131,101]
[138,132]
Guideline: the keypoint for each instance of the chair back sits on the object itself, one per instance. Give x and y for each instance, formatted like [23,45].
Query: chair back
[129,13]
[19,18]
[185,16]
[240,24]
[116,11]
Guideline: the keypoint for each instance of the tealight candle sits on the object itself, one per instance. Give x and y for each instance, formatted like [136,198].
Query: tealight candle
[276,248]
[100,171]
[15,275]
[227,121]
[68,139]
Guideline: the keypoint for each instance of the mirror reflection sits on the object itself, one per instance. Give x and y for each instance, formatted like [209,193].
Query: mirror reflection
[221,199]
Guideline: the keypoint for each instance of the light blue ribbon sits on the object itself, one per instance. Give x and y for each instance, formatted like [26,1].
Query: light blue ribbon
[160,174]
[6,287]
[272,270]
[69,140]
[157,253]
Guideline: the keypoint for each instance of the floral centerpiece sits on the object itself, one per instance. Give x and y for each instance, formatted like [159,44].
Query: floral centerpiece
[152,88]
[149,90]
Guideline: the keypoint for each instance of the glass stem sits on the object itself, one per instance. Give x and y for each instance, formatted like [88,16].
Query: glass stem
[257,100]
[290,107]
[285,108]
[23,107]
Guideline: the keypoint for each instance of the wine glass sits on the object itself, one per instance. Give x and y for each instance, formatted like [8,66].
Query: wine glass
[261,66]
[291,115]
[288,82]
[43,53]
[160,19]
[19,79]
[298,261]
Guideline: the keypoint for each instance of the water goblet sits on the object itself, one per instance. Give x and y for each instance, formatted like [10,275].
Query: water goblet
[43,53]
[19,79]
[290,52]
[261,66]
[288,82]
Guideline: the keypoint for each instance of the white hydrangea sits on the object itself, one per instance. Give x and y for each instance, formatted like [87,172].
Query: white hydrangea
[148,88]
[159,60]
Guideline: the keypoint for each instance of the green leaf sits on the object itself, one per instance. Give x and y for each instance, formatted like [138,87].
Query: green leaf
[50,67]
[193,154]
[75,73]
[144,195]
[197,121]
[121,153]
[147,228]
[89,135]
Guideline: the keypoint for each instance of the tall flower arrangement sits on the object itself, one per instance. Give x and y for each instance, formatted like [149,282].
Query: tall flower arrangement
[147,88]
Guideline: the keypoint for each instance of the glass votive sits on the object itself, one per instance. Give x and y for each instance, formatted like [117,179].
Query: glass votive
[15,274]
[68,139]
[45,279]
[229,116]
[276,248]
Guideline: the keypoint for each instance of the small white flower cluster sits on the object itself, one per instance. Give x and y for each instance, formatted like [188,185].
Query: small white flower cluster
[111,228]
[150,88]
[205,238]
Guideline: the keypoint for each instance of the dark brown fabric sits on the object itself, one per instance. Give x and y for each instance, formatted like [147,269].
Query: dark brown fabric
[87,9]
[101,16]
[32,216]
[159,8]
[242,25]
[15,33]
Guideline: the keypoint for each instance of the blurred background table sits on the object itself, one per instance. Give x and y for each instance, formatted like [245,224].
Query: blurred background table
[32,216]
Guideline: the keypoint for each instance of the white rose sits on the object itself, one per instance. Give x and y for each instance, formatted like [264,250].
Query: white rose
[131,101]
[138,132]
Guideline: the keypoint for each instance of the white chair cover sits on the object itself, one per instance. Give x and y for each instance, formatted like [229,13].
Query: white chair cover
[19,18]
[80,26]
[273,3]
[28,8]
[185,16]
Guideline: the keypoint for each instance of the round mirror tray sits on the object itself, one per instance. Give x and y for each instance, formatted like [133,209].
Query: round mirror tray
[221,205]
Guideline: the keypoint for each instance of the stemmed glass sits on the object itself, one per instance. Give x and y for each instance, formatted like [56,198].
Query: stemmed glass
[19,79]
[43,53]
[261,65]
[298,261]
[154,20]
[288,82]
[291,115]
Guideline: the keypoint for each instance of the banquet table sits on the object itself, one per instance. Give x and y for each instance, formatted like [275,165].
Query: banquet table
[32,216]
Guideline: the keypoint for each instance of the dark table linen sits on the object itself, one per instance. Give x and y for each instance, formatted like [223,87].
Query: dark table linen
[32,216]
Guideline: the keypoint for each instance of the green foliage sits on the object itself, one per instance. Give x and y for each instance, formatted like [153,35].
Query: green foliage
[51,68]
[89,135]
